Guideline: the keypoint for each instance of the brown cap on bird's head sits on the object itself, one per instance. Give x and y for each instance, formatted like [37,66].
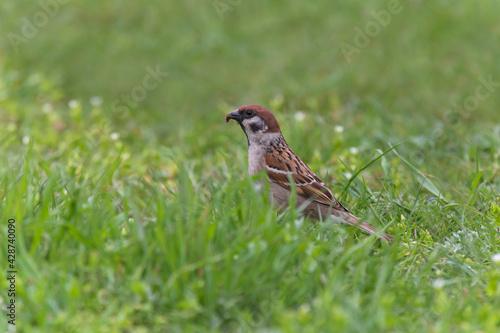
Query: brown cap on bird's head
[251,110]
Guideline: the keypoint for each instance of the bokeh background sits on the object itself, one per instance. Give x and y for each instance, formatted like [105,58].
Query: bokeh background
[425,60]
[429,78]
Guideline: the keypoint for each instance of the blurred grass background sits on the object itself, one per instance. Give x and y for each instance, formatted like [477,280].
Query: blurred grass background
[142,209]
[425,60]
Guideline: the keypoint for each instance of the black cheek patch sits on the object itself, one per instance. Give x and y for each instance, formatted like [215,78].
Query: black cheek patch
[255,127]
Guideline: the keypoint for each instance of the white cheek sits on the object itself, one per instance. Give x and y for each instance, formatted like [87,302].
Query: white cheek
[254,136]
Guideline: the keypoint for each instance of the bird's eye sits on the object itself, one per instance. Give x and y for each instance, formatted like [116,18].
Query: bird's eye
[248,113]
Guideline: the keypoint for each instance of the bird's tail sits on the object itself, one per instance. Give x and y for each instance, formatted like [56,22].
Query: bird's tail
[368,228]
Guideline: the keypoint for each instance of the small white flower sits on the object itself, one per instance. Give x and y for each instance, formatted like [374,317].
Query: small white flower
[305,308]
[130,220]
[257,187]
[438,283]
[354,150]
[73,104]
[114,136]
[338,129]
[348,175]
[299,223]
[26,140]
[96,100]
[47,107]
[496,258]
[300,116]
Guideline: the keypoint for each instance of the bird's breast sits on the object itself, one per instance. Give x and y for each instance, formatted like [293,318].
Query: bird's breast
[256,159]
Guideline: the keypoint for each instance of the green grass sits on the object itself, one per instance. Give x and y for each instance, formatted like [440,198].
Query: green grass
[146,220]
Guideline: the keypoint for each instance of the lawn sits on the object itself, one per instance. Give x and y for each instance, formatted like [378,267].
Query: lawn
[132,204]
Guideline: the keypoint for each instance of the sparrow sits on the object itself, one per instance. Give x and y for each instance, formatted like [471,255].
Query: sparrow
[269,152]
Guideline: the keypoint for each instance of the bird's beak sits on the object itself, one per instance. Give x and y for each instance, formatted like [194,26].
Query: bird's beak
[233,115]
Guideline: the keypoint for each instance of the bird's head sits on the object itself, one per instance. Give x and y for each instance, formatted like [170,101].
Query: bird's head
[257,122]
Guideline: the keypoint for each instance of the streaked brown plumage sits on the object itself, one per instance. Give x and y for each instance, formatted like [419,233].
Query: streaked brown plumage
[268,150]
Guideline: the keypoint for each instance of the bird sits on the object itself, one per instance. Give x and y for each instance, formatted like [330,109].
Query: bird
[268,151]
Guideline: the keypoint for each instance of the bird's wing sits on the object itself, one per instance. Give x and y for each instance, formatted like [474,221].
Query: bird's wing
[284,163]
